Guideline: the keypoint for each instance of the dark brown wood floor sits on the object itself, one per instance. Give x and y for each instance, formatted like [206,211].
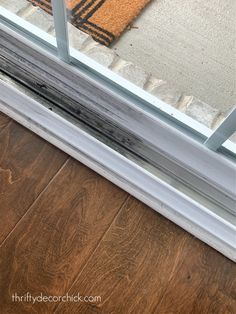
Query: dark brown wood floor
[65,229]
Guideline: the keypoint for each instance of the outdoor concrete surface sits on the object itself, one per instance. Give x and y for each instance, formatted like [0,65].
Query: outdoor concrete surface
[189,43]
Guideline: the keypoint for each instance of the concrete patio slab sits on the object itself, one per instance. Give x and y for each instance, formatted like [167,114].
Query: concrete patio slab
[190,44]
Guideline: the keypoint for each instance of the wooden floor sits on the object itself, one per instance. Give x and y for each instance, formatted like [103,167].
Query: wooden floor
[65,229]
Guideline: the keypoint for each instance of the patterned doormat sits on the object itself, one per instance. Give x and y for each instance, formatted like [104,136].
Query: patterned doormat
[104,20]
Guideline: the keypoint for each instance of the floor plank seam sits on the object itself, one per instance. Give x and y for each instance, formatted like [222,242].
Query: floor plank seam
[94,251]
[9,123]
[31,205]
[171,277]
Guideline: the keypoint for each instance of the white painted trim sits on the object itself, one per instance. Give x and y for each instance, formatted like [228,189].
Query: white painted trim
[168,201]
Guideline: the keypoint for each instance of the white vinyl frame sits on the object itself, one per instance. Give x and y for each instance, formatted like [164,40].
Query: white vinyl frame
[214,170]
[168,201]
[61,30]
[223,132]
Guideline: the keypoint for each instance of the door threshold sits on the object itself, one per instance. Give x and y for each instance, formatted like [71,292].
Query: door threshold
[166,195]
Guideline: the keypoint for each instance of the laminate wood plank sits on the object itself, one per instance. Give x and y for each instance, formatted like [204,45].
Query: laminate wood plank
[4,120]
[27,164]
[51,244]
[132,265]
[146,264]
[204,282]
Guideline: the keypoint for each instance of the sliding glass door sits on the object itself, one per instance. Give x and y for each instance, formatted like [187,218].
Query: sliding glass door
[79,33]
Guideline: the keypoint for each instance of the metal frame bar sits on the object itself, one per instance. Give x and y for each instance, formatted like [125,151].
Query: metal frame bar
[61,30]
[223,132]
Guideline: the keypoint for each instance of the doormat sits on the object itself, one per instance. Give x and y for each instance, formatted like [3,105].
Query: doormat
[104,20]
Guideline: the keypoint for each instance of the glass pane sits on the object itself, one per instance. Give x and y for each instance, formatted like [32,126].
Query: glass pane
[37,13]
[182,52]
